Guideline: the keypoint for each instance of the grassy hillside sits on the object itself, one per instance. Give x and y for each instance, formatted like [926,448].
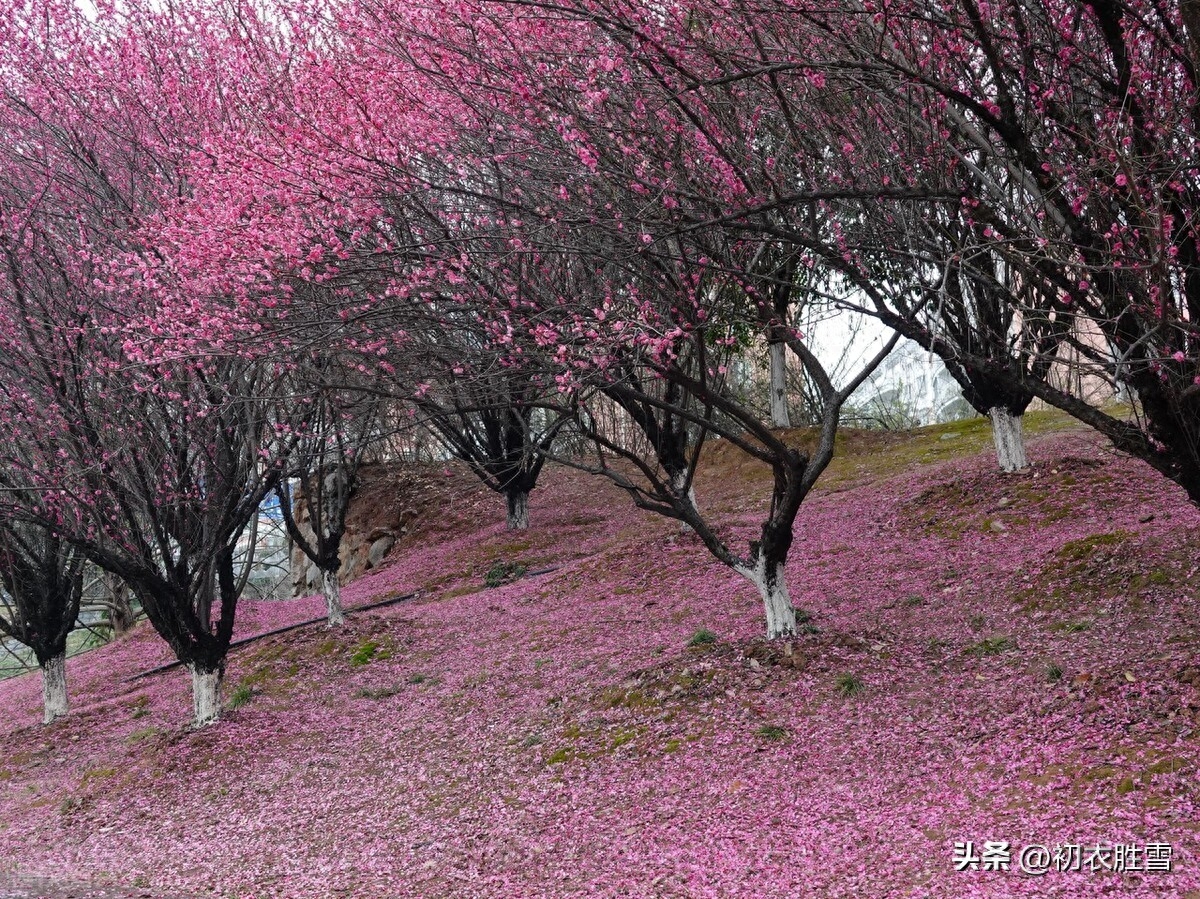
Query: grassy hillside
[986,657]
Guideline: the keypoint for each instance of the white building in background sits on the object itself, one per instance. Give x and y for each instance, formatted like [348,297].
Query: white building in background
[913,385]
[910,388]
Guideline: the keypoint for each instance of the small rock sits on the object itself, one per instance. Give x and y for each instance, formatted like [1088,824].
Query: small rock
[755,664]
[997,525]
[1146,519]
[1004,501]
[950,435]
[379,548]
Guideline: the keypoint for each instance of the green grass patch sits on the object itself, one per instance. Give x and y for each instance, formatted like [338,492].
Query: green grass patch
[991,646]
[93,775]
[1071,627]
[503,573]
[1075,551]
[849,684]
[380,693]
[241,695]
[365,653]
[141,735]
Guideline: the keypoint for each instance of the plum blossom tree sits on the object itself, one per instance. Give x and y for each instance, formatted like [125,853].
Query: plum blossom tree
[865,187]
[1078,124]
[42,575]
[959,301]
[148,458]
[333,438]
[488,414]
[534,156]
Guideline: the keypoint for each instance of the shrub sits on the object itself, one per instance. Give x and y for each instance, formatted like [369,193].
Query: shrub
[702,637]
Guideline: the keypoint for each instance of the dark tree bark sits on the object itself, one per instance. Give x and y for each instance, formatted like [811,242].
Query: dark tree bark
[42,576]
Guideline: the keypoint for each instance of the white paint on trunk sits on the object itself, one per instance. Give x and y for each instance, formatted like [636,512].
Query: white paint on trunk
[677,483]
[333,598]
[518,511]
[206,696]
[54,689]
[779,405]
[1010,443]
[772,587]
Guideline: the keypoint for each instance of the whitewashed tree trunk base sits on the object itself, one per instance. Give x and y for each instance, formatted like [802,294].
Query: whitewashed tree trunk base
[332,591]
[206,696]
[1009,439]
[518,511]
[772,587]
[779,406]
[54,689]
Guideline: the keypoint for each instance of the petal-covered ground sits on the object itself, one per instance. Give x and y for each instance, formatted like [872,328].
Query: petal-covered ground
[986,658]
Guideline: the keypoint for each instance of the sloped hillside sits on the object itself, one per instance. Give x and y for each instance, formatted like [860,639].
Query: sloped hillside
[986,658]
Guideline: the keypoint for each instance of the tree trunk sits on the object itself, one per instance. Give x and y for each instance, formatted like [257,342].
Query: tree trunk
[1010,445]
[206,696]
[54,688]
[772,587]
[678,481]
[120,611]
[333,598]
[779,405]
[518,510]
